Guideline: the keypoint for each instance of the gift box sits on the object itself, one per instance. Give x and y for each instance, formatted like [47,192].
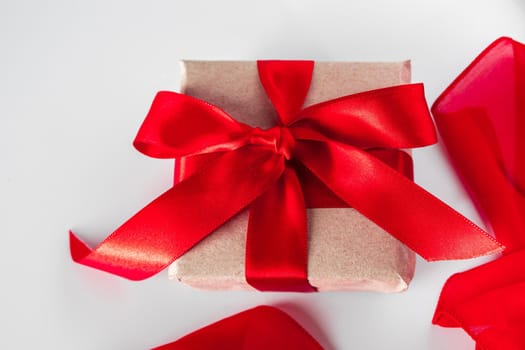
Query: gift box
[297,172]
[346,251]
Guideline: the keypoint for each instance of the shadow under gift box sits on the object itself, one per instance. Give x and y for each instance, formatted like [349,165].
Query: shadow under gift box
[346,251]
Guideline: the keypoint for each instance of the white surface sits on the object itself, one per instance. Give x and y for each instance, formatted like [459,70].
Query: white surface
[77,78]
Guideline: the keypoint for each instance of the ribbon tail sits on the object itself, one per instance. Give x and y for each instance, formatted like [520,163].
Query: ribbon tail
[260,328]
[182,216]
[277,239]
[409,213]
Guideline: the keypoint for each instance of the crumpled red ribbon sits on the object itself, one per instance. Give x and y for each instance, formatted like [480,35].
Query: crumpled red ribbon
[334,141]
[481,118]
[260,328]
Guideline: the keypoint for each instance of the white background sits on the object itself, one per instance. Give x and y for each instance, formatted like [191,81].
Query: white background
[76,79]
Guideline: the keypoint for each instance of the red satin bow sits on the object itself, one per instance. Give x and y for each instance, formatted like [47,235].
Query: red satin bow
[481,117]
[260,328]
[255,168]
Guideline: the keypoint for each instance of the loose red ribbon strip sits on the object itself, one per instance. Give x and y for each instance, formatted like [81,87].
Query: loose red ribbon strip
[260,328]
[335,141]
[481,118]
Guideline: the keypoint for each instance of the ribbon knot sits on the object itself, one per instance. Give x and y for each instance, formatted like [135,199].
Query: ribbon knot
[279,138]
[333,144]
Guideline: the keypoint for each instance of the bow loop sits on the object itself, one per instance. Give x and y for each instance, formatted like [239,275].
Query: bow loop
[392,117]
[178,125]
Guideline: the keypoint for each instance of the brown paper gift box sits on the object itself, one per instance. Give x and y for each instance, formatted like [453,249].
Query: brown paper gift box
[346,250]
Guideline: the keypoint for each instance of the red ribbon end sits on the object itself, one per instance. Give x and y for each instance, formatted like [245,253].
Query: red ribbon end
[78,249]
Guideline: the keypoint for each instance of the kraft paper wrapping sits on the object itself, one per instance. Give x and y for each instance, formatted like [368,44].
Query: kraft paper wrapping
[346,250]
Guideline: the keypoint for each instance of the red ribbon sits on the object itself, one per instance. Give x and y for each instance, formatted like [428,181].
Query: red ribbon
[334,141]
[481,118]
[260,328]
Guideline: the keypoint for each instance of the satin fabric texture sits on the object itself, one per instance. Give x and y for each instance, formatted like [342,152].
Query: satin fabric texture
[481,118]
[261,328]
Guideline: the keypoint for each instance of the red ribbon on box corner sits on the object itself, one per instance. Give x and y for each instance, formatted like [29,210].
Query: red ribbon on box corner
[252,168]
[481,118]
